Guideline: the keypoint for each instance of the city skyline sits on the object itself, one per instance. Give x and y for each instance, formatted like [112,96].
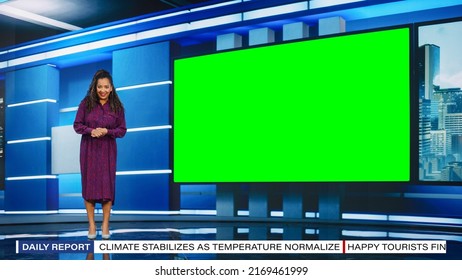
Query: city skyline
[447,37]
[440,106]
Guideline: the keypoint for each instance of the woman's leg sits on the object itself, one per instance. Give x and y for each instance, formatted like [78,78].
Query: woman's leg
[107,206]
[90,207]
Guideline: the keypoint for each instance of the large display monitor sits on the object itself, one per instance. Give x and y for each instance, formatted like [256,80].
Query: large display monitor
[332,109]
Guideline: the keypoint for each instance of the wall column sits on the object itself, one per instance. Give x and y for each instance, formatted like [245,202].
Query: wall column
[143,81]
[31,111]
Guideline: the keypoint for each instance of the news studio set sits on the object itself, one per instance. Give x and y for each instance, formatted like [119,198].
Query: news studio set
[286,139]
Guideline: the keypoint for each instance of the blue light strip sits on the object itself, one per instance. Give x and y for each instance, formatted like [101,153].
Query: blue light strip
[72,211]
[32,102]
[419,219]
[432,195]
[129,212]
[243,230]
[276,214]
[401,235]
[311,215]
[69,109]
[243,213]
[37,177]
[315,4]
[277,230]
[278,10]
[144,85]
[310,231]
[168,24]
[215,5]
[29,140]
[147,128]
[364,233]
[72,50]
[143,172]
[401,218]
[372,217]
[216,21]
[198,212]
[31,212]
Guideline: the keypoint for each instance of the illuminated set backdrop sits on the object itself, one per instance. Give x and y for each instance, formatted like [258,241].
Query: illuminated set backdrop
[370,106]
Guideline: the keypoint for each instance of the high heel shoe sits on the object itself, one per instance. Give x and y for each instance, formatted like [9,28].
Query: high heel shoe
[105,236]
[91,236]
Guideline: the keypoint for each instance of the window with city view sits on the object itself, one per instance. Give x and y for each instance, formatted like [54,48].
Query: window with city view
[440,101]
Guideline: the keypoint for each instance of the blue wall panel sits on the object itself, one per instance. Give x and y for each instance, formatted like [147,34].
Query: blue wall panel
[144,150]
[142,192]
[72,201]
[70,183]
[145,107]
[67,118]
[32,84]
[198,197]
[141,65]
[28,159]
[30,121]
[31,195]
[70,191]
[148,106]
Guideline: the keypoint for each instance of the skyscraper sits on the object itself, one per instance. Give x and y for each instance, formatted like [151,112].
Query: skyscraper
[429,69]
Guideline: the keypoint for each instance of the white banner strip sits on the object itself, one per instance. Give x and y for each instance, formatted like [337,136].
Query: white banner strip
[272,247]
[395,247]
[215,247]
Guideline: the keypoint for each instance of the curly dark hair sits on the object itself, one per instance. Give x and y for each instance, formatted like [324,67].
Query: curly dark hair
[92,99]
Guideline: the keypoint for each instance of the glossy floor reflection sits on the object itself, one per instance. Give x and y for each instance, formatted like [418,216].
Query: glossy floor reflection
[9,234]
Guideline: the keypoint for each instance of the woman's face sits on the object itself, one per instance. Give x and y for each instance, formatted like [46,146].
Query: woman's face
[104,89]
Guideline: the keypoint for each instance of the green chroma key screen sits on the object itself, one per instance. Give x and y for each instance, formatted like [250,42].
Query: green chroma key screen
[333,109]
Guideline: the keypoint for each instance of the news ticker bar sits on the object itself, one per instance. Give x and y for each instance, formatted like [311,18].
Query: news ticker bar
[234,247]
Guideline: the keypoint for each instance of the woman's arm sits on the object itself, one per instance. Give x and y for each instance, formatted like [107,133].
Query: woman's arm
[79,123]
[121,127]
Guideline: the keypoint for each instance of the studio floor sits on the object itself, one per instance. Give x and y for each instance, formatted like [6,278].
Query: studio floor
[184,229]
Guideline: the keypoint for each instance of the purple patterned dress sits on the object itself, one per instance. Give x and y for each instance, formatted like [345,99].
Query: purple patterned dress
[98,156]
